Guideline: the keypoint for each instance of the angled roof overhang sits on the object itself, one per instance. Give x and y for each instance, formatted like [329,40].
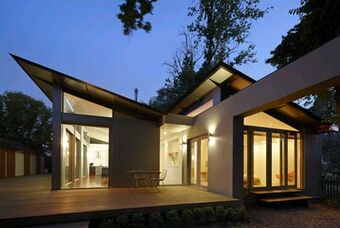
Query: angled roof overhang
[217,75]
[290,113]
[45,78]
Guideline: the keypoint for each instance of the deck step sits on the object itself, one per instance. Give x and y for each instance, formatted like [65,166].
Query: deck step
[281,191]
[287,199]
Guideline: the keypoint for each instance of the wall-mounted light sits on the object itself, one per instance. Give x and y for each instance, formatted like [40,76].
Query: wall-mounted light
[211,134]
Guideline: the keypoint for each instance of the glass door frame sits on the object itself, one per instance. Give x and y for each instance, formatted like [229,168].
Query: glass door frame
[249,130]
[198,161]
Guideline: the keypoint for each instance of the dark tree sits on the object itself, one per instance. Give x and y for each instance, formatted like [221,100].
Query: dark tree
[222,28]
[182,74]
[132,13]
[26,120]
[319,23]
[219,32]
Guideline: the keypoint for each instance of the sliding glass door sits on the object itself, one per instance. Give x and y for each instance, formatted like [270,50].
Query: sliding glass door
[198,166]
[272,158]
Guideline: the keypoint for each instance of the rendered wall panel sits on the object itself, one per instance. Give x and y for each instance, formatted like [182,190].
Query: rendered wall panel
[19,163]
[135,147]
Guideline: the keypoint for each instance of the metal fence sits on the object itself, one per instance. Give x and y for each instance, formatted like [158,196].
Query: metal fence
[331,185]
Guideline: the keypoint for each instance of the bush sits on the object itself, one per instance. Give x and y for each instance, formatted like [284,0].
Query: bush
[156,220]
[137,220]
[239,214]
[229,214]
[172,218]
[187,218]
[209,214]
[220,214]
[122,221]
[199,216]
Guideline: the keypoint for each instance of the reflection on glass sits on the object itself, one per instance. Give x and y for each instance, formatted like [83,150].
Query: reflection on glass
[85,152]
[245,159]
[278,160]
[291,160]
[73,104]
[204,162]
[260,158]
[193,178]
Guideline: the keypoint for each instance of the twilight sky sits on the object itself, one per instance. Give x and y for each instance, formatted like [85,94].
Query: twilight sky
[84,39]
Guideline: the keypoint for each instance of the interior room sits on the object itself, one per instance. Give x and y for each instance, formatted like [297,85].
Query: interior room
[85,156]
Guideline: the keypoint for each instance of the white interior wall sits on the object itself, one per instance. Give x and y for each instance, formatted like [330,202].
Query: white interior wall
[169,146]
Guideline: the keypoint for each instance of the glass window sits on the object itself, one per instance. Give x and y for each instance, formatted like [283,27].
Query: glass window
[73,104]
[245,159]
[193,178]
[278,173]
[291,160]
[260,159]
[204,162]
[84,156]
[299,162]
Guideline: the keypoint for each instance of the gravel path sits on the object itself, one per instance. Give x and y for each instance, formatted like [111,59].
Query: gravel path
[315,215]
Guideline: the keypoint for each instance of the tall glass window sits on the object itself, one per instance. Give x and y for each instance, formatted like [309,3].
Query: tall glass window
[245,159]
[85,156]
[291,160]
[278,170]
[193,176]
[259,159]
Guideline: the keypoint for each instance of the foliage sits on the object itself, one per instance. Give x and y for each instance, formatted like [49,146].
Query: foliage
[122,220]
[209,214]
[331,152]
[26,120]
[132,13]
[319,23]
[156,220]
[173,219]
[220,213]
[222,27]
[219,32]
[182,74]
[187,218]
[137,220]
[199,216]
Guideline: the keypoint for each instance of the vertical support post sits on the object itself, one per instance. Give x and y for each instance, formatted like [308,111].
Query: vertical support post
[269,158]
[238,158]
[56,131]
[111,150]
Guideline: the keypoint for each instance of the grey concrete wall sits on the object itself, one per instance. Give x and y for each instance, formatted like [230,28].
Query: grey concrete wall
[135,147]
[315,71]
[313,169]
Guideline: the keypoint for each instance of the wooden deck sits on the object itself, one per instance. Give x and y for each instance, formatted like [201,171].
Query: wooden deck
[29,201]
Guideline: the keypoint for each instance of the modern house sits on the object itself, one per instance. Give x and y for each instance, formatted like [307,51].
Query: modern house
[227,134]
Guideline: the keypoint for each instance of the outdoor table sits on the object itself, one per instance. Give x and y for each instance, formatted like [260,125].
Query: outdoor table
[146,173]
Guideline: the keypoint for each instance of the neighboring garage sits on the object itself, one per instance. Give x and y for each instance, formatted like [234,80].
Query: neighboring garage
[18,160]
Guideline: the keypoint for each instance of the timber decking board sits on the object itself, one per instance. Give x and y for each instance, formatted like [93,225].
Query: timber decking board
[268,192]
[29,200]
[287,199]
